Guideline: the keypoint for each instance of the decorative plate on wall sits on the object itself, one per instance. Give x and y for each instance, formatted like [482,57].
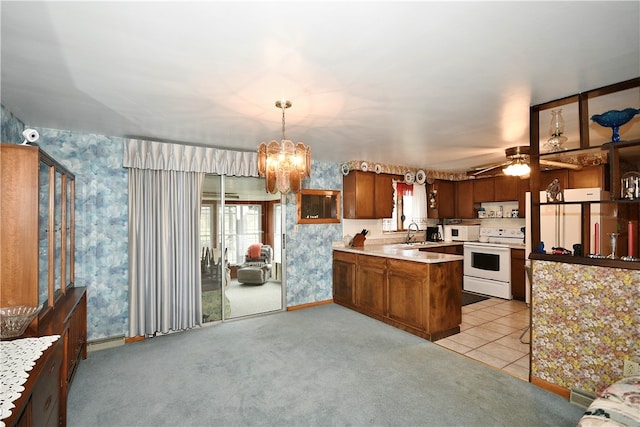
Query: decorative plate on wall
[409,176]
[421,176]
[344,169]
[364,166]
[377,168]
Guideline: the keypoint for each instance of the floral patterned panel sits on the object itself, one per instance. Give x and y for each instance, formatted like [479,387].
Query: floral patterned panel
[585,323]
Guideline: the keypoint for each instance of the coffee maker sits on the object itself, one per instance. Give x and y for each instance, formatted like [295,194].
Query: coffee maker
[434,234]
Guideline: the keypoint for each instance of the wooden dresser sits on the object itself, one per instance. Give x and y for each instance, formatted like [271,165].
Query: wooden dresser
[44,400]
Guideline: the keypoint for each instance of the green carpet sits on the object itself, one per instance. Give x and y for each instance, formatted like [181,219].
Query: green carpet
[321,366]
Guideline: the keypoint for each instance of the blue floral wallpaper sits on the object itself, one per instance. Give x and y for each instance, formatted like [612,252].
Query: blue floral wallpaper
[309,253]
[102,230]
[12,127]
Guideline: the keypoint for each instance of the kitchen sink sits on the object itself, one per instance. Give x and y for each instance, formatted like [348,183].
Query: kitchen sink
[417,245]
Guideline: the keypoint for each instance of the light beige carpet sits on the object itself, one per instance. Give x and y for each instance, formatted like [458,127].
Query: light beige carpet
[246,300]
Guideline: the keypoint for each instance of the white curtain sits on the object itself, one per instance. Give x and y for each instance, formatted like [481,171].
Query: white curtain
[419,205]
[165,188]
[164,251]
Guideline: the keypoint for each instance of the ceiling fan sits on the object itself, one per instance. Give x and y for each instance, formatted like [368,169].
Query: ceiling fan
[517,163]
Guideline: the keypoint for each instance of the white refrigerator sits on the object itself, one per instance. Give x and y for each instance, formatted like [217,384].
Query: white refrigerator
[561,225]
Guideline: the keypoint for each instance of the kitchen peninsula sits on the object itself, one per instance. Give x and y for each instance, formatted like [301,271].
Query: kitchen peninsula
[409,287]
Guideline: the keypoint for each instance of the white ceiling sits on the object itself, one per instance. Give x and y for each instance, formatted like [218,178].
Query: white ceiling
[436,85]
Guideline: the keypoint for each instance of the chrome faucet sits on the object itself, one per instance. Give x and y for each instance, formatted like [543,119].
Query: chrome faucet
[409,235]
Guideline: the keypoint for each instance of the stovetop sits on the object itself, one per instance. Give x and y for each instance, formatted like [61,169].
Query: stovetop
[502,235]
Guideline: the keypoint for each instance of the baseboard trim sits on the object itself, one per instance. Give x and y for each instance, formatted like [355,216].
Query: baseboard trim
[549,386]
[105,343]
[137,338]
[309,305]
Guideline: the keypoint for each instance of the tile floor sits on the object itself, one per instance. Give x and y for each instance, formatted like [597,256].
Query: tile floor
[490,333]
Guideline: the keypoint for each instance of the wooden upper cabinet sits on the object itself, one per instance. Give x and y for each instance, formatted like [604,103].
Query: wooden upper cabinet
[506,188]
[384,203]
[367,195]
[358,188]
[547,177]
[445,199]
[483,190]
[464,199]
[591,177]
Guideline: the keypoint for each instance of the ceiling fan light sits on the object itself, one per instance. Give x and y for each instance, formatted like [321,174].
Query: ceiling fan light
[517,168]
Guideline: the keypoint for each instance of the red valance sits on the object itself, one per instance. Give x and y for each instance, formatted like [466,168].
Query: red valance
[404,189]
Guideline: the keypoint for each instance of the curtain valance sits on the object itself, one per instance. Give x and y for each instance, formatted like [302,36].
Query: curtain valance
[143,154]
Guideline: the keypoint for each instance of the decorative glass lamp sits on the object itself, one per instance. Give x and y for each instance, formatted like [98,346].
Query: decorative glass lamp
[556,130]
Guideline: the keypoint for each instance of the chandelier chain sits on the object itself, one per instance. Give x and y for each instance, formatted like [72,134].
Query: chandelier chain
[283,108]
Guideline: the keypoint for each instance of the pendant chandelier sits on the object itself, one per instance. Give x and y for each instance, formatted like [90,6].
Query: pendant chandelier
[284,164]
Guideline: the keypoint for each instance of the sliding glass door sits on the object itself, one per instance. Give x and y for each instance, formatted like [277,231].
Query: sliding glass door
[214,271]
[238,215]
[242,228]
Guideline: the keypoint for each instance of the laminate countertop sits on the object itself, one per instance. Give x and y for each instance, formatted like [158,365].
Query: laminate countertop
[406,252]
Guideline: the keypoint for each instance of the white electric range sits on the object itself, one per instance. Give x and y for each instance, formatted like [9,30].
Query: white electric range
[487,263]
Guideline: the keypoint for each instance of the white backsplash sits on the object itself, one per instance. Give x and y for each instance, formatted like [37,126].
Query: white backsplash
[505,207]
[375,235]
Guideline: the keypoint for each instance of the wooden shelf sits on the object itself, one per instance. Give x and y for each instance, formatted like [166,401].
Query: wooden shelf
[601,262]
[618,157]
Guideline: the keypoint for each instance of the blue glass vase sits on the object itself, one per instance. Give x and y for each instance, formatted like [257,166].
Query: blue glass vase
[614,119]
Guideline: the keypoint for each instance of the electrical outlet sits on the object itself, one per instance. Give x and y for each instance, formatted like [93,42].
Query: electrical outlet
[631,368]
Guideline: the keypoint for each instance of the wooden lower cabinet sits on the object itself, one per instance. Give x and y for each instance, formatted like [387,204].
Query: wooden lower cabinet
[344,274]
[40,403]
[371,278]
[405,293]
[44,399]
[518,290]
[421,298]
[77,340]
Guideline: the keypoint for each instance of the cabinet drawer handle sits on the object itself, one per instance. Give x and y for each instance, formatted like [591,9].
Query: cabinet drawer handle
[48,402]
